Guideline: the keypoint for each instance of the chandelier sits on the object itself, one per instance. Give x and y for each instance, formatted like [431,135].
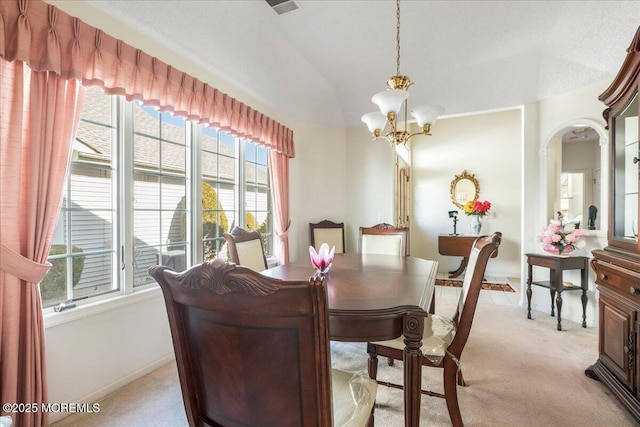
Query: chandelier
[391,101]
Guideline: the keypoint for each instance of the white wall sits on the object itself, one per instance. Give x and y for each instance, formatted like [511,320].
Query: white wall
[91,356]
[370,183]
[554,114]
[318,182]
[488,146]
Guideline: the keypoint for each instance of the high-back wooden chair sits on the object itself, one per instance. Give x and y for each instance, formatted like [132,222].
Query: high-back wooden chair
[444,338]
[328,232]
[225,322]
[384,239]
[245,248]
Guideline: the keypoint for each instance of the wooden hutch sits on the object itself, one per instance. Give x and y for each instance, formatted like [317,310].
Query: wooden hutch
[617,266]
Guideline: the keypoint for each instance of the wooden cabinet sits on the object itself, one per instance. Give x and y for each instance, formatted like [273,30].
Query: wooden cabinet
[617,266]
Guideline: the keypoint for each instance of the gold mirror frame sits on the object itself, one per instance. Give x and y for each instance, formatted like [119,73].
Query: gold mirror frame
[461,180]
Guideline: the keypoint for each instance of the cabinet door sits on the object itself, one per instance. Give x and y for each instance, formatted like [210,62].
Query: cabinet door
[617,338]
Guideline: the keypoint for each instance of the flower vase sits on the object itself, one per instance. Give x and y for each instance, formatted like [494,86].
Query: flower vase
[476,225]
[554,250]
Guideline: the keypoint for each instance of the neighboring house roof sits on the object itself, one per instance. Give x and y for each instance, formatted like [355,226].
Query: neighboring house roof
[95,139]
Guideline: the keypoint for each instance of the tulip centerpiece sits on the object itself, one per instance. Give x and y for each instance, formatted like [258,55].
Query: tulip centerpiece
[322,259]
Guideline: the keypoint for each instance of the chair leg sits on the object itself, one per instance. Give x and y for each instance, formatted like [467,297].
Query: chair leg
[461,379]
[389,361]
[451,391]
[372,367]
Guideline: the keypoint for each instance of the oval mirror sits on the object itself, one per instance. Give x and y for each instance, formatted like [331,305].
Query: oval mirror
[464,187]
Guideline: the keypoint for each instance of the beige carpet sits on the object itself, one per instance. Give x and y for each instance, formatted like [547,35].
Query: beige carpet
[519,372]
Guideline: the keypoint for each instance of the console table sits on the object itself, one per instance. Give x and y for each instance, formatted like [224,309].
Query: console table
[556,265]
[458,245]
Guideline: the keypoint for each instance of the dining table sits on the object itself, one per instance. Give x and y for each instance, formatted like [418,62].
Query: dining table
[375,297]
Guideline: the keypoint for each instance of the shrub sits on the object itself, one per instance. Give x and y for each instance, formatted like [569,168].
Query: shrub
[53,287]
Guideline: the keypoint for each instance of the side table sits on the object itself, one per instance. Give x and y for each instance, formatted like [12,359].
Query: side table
[556,265]
[458,245]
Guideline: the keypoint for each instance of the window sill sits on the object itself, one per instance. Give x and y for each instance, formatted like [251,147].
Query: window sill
[272,261]
[91,309]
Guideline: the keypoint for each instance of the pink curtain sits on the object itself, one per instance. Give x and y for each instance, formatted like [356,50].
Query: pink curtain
[32,27]
[279,168]
[47,39]
[39,113]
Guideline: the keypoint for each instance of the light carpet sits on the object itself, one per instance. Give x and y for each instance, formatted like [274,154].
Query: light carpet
[519,373]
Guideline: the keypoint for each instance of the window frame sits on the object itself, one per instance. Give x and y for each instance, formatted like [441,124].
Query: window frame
[123,185]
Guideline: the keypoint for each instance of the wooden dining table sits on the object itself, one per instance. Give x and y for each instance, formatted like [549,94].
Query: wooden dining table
[377,298]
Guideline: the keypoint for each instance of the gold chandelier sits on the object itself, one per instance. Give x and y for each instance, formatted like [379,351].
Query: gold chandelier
[391,101]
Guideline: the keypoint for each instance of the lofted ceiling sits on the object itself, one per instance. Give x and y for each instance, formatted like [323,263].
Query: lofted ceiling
[320,64]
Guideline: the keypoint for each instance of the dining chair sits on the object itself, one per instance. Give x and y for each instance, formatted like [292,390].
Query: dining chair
[226,320]
[384,239]
[443,339]
[245,248]
[329,232]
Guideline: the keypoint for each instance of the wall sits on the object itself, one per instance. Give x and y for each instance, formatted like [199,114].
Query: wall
[488,146]
[553,115]
[370,183]
[318,182]
[91,356]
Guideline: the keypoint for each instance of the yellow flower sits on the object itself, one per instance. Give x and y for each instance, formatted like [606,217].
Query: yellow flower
[468,207]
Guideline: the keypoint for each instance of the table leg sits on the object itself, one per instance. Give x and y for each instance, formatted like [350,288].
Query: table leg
[463,265]
[559,304]
[584,284]
[413,326]
[584,308]
[529,280]
[553,294]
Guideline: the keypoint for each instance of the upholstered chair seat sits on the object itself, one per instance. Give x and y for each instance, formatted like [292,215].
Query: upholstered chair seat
[353,398]
[438,334]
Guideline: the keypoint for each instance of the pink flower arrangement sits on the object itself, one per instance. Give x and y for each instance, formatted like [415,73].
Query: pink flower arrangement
[560,238]
[476,207]
[322,259]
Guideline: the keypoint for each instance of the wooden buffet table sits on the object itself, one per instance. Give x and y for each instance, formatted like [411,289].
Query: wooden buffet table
[458,245]
[377,298]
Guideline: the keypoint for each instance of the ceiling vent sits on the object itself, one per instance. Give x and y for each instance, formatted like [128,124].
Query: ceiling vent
[282,6]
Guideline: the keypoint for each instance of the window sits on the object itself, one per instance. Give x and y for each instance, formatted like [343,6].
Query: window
[83,249]
[159,192]
[257,197]
[143,187]
[219,163]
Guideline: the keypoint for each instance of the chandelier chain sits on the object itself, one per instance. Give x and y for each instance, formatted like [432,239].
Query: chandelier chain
[397,37]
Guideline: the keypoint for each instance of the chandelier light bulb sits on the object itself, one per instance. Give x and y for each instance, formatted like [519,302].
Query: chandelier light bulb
[375,121]
[390,101]
[426,114]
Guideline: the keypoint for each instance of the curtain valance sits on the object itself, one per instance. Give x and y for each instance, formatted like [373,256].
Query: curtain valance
[48,39]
